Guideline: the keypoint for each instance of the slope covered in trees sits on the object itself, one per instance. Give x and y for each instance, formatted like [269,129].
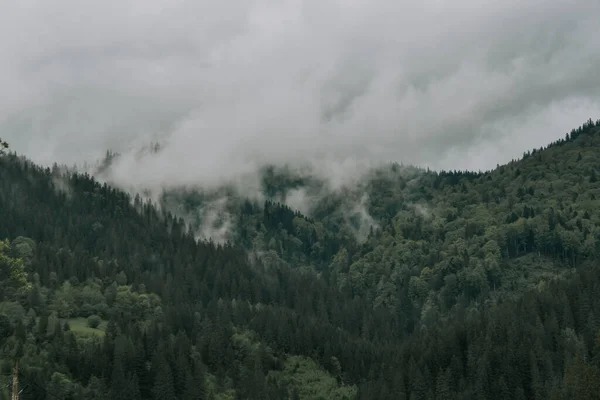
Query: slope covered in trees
[412,284]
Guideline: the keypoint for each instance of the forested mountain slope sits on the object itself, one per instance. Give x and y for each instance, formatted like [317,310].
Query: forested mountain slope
[412,284]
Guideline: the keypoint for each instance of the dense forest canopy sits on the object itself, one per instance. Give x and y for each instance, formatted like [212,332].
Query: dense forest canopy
[412,284]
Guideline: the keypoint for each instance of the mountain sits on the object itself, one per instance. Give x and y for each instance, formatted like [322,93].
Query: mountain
[408,284]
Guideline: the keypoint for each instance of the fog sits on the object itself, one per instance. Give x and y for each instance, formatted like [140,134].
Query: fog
[231,85]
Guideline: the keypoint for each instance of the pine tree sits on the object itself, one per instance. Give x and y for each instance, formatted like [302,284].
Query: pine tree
[442,387]
[194,387]
[119,384]
[163,383]
[135,388]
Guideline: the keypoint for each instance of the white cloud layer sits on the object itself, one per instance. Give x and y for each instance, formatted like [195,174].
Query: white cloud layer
[231,84]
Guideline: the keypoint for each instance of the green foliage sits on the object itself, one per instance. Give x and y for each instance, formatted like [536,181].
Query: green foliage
[24,248]
[6,328]
[93,321]
[12,270]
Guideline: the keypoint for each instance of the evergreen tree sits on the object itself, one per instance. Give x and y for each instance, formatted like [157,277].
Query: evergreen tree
[163,382]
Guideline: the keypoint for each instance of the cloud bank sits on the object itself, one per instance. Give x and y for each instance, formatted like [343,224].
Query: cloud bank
[230,85]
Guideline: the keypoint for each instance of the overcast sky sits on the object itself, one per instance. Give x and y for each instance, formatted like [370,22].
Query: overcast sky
[229,84]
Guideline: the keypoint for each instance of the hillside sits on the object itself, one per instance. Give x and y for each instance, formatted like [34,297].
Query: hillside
[411,284]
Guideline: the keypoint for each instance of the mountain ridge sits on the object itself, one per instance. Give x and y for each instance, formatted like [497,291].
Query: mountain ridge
[465,276]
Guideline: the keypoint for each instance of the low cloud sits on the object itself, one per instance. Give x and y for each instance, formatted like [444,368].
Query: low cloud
[300,200]
[216,223]
[359,219]
[226,87]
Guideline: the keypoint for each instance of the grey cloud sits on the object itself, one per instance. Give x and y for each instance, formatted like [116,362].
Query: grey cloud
[230,85]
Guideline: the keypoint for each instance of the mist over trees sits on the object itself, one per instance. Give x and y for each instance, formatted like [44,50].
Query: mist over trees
[464,285]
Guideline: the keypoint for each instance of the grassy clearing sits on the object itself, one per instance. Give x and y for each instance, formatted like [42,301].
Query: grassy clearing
[79,326]
[312,381]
